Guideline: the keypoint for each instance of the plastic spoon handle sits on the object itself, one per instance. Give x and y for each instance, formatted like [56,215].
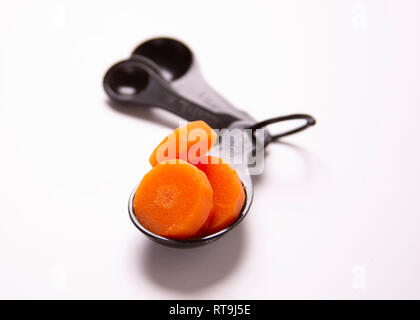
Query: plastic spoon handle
[148,88]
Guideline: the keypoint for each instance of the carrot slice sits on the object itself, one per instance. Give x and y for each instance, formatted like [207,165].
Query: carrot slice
[203,230]
[173,200]
[190,143]
[228,193]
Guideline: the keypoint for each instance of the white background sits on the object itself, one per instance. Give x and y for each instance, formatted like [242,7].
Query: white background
[336,212]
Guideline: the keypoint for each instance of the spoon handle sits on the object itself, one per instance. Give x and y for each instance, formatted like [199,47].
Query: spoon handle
[148,88]
[165,98]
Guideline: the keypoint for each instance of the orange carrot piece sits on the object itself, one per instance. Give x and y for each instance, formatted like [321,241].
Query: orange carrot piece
[173,200]
[190,143]
[203,230]
[228,193]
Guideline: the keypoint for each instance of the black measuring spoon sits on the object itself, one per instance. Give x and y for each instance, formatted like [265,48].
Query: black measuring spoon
[139,82]
[136,82]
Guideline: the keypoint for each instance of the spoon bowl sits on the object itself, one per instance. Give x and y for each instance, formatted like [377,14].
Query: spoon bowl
[187,243]
[127,80]
[172,56]
[243,173]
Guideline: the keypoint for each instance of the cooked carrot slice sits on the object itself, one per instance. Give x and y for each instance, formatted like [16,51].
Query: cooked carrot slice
[228,193]
[203,230]
[190,143]
[174,199]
